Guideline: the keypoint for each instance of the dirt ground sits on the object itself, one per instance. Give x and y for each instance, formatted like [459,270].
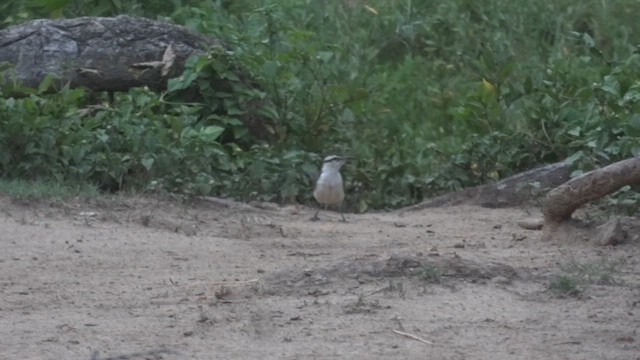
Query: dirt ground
[143,278]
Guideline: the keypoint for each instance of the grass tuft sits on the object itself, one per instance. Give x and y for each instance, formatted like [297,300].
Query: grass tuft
[565,286]
[430,273]
[45,189]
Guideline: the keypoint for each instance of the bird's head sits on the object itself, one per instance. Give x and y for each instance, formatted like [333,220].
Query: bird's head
[334,162]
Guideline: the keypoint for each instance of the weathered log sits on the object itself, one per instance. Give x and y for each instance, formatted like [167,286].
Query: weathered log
[104,54]
[512,191]
[560,203]
[111,54]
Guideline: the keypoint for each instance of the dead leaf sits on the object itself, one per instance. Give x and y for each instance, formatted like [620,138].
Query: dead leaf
[168,59]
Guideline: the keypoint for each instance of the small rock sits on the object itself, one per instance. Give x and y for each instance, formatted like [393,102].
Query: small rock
[611,233]
[501,280]
[625,339]
[531,223]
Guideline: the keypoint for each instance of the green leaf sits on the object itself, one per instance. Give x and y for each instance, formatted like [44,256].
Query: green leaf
[488,59]
[182,82]
[613,149]
[197,62]
[147,162]
[611,85]
[270,69]
[5,65]
[528,85]
[10,103]
[506,70]
[46,83]
[588,40]
[325,56]
[189,132]
[231,76]
[574,131]
[576,173]
[347,116]
[575,157]
[634,121]
[211,133]
[301,35]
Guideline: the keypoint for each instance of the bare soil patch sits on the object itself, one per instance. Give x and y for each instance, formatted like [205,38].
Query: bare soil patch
[143,278]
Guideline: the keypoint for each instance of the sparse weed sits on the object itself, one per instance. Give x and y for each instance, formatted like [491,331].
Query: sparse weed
[578,276]
[362,305]
[223,292]
[601,272]
[430,273]
[565,286]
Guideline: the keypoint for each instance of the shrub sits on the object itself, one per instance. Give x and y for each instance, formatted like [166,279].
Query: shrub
[428,96]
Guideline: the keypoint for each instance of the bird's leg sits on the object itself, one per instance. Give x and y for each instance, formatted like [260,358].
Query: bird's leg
[342,214]
[315,217]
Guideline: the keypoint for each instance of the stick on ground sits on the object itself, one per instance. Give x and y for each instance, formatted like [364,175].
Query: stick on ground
[414,337]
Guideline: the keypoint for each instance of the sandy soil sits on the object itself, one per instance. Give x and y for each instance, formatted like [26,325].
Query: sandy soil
[156,279]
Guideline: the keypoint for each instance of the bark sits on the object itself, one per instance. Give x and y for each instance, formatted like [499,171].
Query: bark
[111,54]
[104,54]
[561,202]
[512,191]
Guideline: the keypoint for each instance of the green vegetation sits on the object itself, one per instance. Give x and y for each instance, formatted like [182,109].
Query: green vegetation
[599,272]
[577,276]
[430,273]
[565,286]
[429,96]
[39,189]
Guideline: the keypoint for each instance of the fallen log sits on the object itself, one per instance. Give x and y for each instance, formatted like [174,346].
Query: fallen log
[511,191]
[561,202]
[111,54]
[99,53]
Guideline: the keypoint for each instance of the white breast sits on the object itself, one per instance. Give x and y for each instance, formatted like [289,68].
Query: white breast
[329,189]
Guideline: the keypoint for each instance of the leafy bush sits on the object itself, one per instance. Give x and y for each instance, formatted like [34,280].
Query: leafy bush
[429,96]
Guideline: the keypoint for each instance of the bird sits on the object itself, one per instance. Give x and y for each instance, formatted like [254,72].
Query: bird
[329,188]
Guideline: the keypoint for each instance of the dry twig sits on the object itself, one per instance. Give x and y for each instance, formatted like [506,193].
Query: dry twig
[223,283]
[377,290]
[414,337]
